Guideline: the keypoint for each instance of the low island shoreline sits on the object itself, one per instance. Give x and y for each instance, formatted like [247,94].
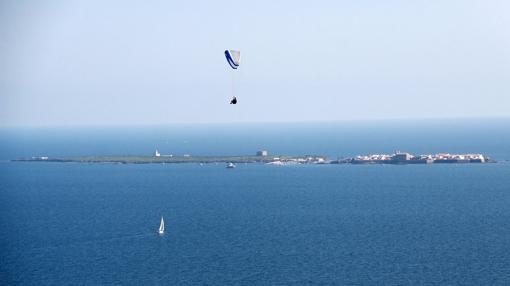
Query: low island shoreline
[396,158]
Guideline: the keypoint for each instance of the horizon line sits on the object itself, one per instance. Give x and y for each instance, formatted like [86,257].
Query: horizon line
[326,121]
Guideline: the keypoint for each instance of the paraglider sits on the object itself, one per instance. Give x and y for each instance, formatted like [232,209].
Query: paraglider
[233,59]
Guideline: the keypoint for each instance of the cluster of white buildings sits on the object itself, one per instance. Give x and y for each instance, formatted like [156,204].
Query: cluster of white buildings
[300,160]
[403,157]
[459,157]
[373,157]
[293,160]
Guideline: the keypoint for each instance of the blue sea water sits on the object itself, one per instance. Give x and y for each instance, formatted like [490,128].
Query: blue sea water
[96,224]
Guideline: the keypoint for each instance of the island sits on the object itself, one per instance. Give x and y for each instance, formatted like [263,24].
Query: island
[264,158]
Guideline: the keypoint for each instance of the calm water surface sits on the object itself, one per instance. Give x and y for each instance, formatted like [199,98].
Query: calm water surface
[93,224]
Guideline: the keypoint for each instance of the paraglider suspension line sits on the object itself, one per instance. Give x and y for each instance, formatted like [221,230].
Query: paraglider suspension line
[233,90]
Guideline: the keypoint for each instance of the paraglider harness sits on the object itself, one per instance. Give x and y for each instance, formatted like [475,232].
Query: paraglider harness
[234,100]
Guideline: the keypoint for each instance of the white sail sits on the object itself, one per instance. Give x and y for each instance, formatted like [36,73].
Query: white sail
[162,226]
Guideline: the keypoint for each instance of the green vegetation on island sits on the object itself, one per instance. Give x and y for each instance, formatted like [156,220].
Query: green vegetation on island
[177,159]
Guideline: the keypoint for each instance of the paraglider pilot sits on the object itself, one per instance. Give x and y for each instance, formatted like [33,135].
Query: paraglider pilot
[234,100]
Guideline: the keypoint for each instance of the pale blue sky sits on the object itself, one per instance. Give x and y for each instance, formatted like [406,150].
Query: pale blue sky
[156,62]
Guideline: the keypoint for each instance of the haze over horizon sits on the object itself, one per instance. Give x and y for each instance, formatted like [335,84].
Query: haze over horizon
[123,63]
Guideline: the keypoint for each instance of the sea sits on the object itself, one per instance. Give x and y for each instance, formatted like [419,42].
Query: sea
[96,224]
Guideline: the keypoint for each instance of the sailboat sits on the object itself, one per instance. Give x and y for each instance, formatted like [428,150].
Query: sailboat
[162,226]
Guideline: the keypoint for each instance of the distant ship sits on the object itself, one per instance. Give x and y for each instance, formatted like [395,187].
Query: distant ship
[162,226]
[231,165]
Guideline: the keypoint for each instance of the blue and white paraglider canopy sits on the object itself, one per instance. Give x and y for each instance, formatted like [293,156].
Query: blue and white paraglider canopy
[233,58]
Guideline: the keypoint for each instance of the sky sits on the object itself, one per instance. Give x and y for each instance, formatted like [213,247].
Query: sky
[159,62]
